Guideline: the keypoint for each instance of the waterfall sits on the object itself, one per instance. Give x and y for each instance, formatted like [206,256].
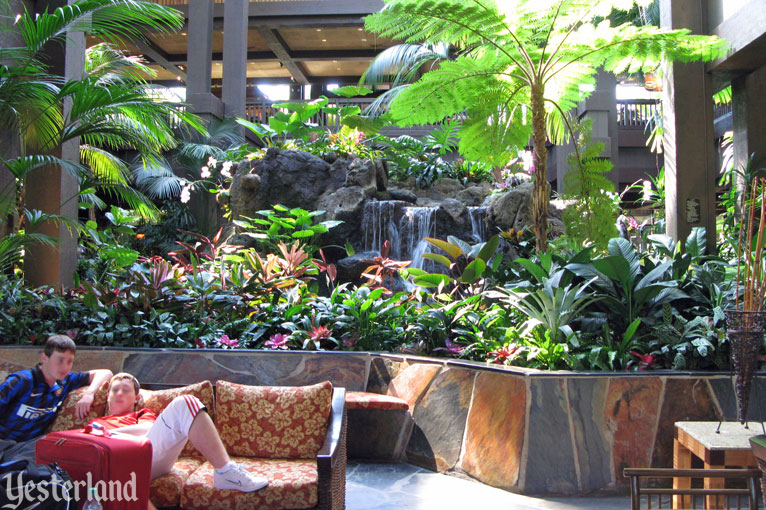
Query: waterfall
[379,224]
[404,227]
[419,223]
[478,223]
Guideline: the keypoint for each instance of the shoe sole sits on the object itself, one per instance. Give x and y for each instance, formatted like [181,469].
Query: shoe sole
[256,489]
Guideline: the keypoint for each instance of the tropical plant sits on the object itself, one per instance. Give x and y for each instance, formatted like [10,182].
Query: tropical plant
[629,289]
[751,271]
[195,159]
[465,264]
[611,354]
[283,225]
[590,216]
[554,304]
[382,268]
[108,109]
[737,183]
[690,344]
[522,69]
[400,65]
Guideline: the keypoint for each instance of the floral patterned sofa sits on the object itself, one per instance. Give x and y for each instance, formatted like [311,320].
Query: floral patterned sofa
[293,436]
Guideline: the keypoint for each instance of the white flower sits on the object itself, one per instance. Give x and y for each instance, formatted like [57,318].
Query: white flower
[211,161]
[185,194]
[226,169]
[204,172]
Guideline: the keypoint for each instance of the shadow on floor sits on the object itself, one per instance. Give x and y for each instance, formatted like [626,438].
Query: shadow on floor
[406,487]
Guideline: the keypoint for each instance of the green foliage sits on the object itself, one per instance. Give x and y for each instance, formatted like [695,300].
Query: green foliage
[292,120]
[465,264]
[691,344]
[590,218]
[520,68]
[109,109]
[423,159]
[283,225]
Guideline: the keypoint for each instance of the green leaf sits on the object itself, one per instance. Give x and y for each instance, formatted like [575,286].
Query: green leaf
[696,241]
[631,330]
[431,280]
[441,259]
[352,91]
[450,249]
[489,249]
[473,271]
[537,271]
[616,268]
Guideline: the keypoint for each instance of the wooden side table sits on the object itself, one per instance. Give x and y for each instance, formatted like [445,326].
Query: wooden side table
[729,448]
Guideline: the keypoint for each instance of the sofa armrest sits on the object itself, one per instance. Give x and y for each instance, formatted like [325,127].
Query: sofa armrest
[331,459]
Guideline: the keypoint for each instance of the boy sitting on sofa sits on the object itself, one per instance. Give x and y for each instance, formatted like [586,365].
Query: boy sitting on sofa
[30,399]
[183,419]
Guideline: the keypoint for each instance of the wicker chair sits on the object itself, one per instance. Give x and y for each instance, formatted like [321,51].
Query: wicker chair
[331,460]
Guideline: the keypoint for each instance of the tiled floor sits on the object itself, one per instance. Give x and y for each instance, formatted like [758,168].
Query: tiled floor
[406,487]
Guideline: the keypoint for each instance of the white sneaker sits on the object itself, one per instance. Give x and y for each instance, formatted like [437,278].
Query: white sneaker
[238,479]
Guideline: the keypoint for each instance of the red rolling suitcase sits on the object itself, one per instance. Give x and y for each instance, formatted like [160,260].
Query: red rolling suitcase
[119,466]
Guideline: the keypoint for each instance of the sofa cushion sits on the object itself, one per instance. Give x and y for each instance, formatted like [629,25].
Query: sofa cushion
[65,419]
[365,400]
[158,400]
[273,422]
[166,489]
[292,484]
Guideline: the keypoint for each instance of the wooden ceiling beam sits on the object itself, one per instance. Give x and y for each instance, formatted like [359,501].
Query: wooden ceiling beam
[281,50]
[297,56]
[358,8]
[159,57]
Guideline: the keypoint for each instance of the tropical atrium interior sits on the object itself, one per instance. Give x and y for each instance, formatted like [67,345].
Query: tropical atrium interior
[522,240]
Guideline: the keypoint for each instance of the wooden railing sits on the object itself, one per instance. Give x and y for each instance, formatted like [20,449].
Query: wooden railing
[635,113]
[259,111]
[721,109]
[631,113]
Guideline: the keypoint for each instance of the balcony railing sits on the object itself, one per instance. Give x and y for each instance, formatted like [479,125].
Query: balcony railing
[631,113]
[259,111]
[635,113]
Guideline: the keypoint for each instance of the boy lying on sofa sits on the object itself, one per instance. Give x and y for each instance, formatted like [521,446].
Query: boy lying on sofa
[168,432]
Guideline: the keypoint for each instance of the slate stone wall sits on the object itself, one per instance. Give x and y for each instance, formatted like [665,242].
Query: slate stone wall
[555,433]
[521,430]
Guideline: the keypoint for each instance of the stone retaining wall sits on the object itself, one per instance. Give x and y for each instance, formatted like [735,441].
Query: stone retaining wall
[521,430]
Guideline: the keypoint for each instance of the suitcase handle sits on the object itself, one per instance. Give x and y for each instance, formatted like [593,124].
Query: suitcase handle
[89,430]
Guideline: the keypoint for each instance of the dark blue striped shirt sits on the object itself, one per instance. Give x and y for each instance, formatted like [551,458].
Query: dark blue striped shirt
[28,405]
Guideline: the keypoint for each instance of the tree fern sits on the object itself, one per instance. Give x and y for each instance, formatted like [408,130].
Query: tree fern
[532,53]
[590,218]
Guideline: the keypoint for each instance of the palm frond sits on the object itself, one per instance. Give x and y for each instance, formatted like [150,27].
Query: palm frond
[106,167]
[135,200]
[156,181]
[400,64]
[110,20]
[108,65]
[22,166]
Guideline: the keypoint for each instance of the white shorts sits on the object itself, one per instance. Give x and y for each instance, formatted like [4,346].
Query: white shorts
[170,432]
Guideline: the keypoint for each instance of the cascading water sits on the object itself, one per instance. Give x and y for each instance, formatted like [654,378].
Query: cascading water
[478,223]
[379,224]
[419,223]
[405,235]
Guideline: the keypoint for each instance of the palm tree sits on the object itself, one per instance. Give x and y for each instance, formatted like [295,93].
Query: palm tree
[526,65]
[112,107]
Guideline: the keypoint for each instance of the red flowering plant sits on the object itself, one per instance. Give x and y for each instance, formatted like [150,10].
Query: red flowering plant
[383,269]
[505,355]
[312,335]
